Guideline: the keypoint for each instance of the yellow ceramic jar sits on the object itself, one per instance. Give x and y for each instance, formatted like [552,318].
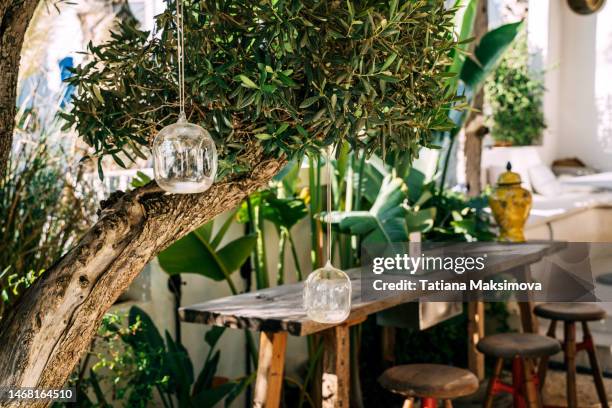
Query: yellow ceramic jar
[510,204]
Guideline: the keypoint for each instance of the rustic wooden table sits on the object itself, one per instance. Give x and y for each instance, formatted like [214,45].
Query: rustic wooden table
[278,311]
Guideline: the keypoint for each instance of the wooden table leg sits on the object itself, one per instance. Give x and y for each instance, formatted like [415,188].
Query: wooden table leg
[388,346]
[476,316]
[269,382]
[529,321]
[570,363]
[336,367]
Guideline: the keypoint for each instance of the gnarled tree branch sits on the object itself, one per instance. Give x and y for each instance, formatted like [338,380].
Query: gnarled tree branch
[52,326]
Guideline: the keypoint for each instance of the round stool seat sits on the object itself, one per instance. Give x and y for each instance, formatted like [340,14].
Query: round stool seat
[429,381]
[575,312]
[605,279]
[510,345]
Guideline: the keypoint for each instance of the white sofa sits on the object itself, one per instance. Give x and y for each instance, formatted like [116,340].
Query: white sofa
[573,209]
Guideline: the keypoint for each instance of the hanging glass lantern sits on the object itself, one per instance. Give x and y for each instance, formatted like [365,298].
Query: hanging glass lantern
[327,295]
[185,158]
[184,154]
[327,290]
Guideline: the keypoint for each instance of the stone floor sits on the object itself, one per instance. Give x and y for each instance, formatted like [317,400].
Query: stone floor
[554,393]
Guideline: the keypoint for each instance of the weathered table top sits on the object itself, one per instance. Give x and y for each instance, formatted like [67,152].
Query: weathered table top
[280,308]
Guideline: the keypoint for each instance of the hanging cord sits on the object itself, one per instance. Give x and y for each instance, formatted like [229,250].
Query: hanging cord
[181,56]
[329,203]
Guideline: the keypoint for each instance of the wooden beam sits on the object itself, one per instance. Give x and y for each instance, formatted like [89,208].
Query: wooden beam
[388,346]
[529,321]
[474,128]
[336,367]
[269,382]
[476,317]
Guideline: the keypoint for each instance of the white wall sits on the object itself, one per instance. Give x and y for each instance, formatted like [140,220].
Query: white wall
[576,53]
[577,126]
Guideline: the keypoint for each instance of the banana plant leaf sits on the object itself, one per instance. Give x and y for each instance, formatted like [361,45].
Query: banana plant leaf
[284,212]
[464,38]
[375,172]
[487,55]
[197,253]
[385,220]
[421,220]
[289,177]
[179,368]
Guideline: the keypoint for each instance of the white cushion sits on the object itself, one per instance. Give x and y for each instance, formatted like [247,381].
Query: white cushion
[543,181]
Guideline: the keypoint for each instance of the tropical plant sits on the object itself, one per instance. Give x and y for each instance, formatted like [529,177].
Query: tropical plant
[283,207]
[42,215]
[515,93]
[132,360]
[405,203]
[472,71]
[200,252]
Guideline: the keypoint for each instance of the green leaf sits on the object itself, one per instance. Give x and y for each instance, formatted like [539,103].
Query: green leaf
[421,221]
[247,82]
[385,220]
[465,33]
[309,101]
[179,367]
[388,78]
[263,136]
[222,231]
[487,54]
[147,333]
[206,376]
[388,61]
[284,212]
[95,383]
[213,335]
[234,254]
[268,88]
[190,255]
[98,95]
[415,181]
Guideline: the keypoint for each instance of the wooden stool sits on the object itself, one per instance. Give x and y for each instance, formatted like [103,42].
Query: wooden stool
[522,349]
[570,313]
[429,382]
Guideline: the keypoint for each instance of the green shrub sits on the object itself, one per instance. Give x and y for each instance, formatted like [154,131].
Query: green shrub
[515,94]
[133,365]
[42,216]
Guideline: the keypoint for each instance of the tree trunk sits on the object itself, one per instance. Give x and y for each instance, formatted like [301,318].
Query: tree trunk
[474,126]
[53,324]
[15,15]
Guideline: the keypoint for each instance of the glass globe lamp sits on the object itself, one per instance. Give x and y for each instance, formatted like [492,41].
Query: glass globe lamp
[184,158]
[327,295]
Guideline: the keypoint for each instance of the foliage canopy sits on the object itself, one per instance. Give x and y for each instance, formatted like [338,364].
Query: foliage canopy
[515,95]
[291,75]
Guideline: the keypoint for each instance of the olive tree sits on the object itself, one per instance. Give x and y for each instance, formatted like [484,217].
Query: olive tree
[271,80]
